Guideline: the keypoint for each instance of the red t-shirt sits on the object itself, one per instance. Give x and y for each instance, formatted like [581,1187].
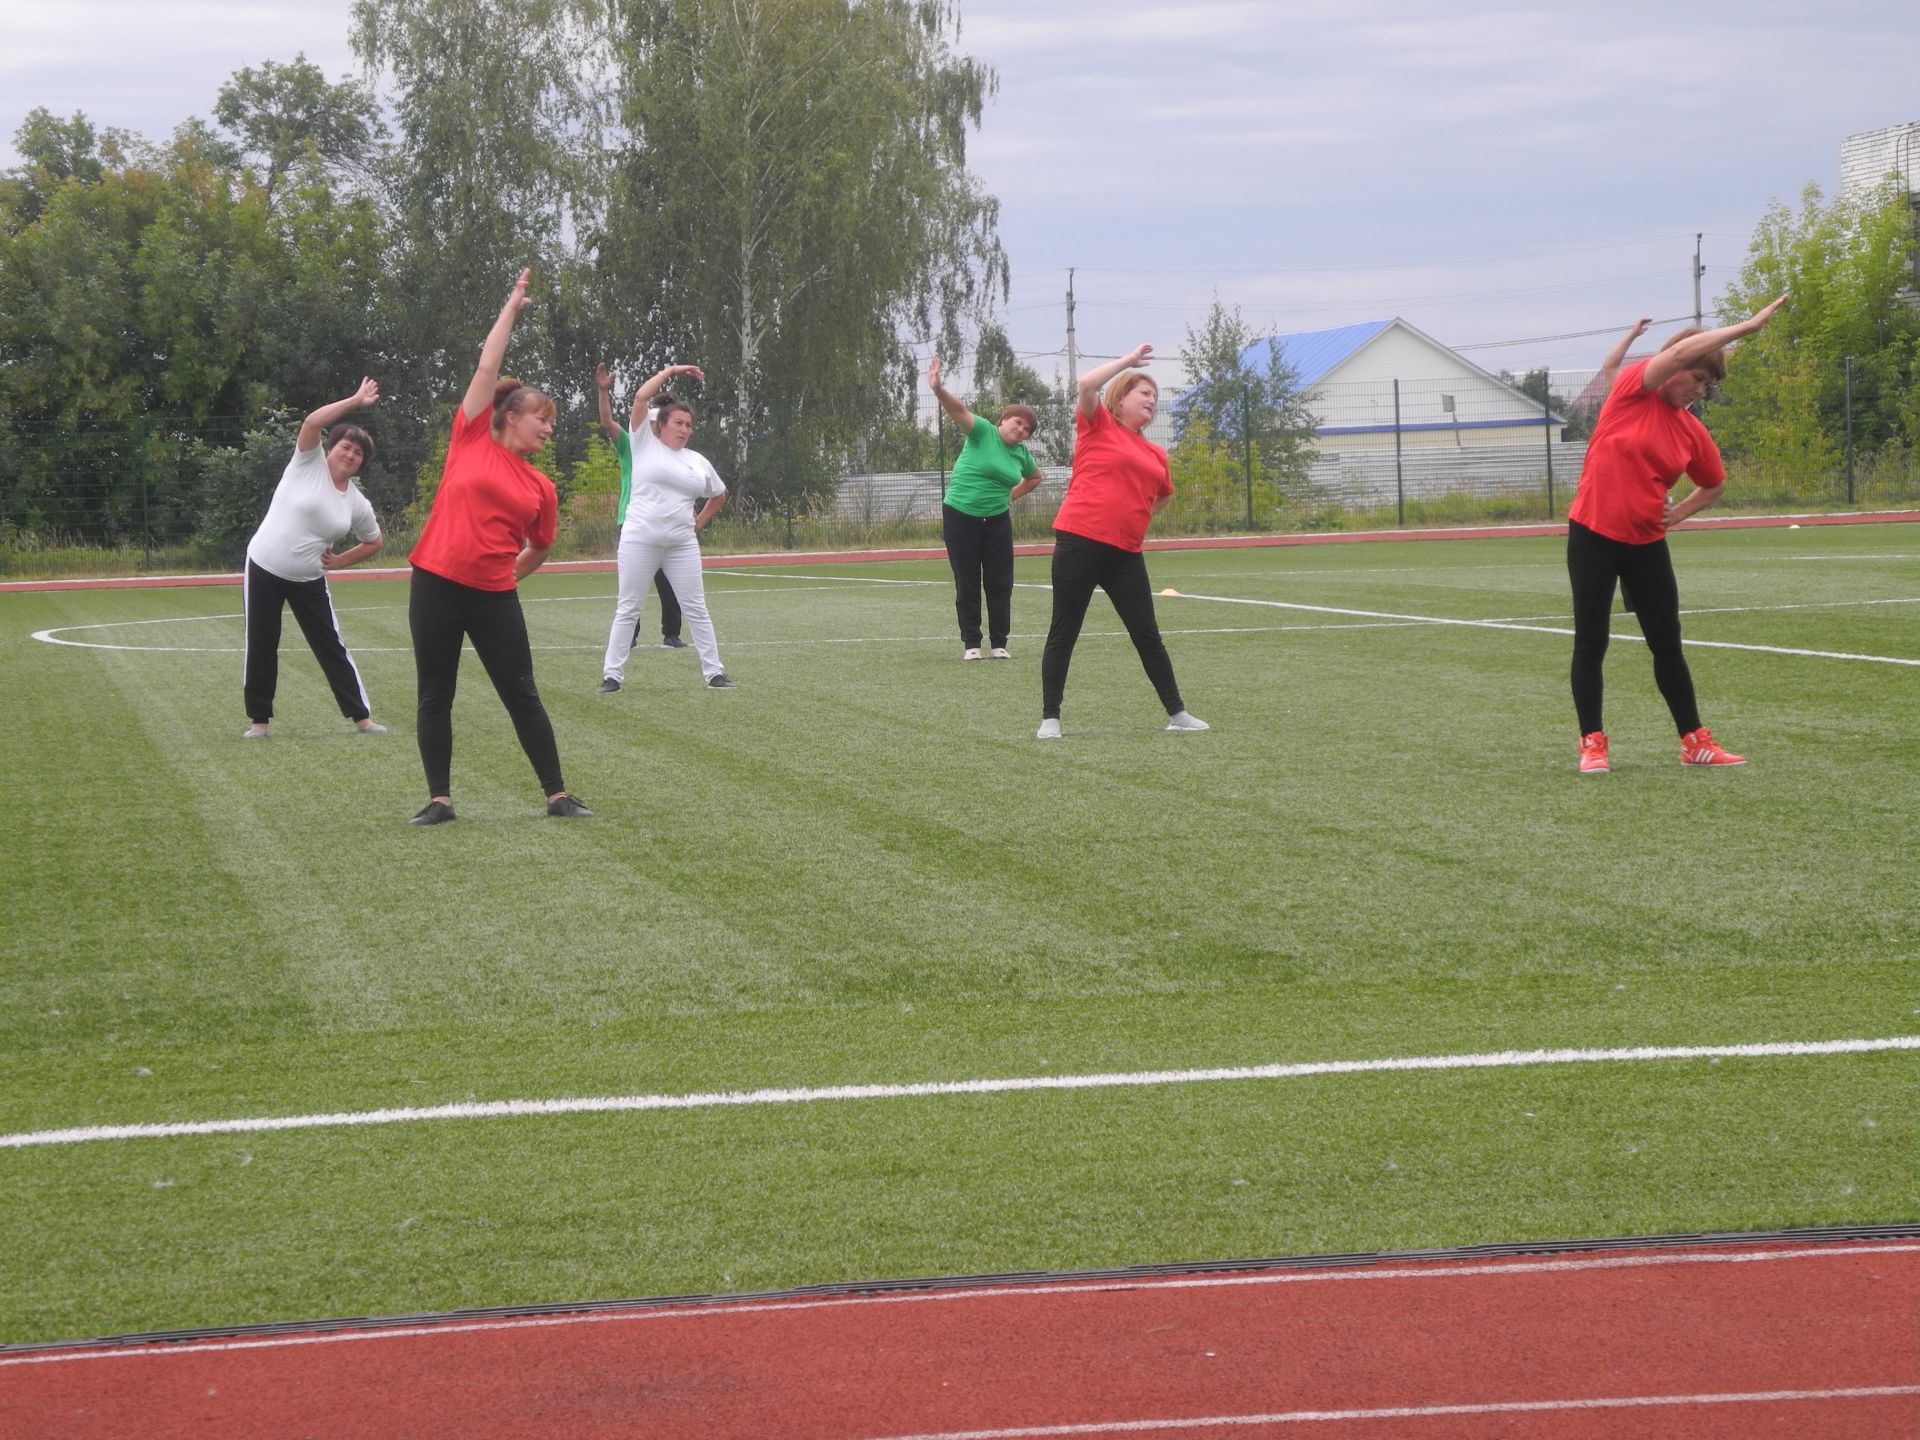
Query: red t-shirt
[490,501]
[1117,475]
[1640,446]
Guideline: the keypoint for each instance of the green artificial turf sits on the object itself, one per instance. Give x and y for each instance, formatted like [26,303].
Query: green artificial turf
[861,868]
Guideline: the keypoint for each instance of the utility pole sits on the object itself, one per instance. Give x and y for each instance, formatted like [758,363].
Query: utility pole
[1073,357]
[1698,271]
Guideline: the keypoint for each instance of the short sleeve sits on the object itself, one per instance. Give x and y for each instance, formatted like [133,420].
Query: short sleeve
[1706,469]
[468,433]
[366,525]
[714,484]
[546,523]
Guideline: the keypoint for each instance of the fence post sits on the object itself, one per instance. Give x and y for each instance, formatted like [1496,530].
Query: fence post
[1850,429]
[1399,477]
[940,443]
[1246,435]
[1546,410]
[140,469]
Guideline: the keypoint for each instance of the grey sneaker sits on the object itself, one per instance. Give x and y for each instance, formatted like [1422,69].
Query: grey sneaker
[721,682]
[672,642]
[568,807]
[436,813]
[608,686]
[1049,730]
[1186,724]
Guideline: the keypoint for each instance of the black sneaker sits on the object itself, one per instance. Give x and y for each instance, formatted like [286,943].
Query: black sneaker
[438,812]
[720,682]
[568,807]
[672,642]
[608,686]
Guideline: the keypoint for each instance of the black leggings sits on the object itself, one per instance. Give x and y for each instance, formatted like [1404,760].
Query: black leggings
[1080,566]
[1594,563]
[980,550]
[263,595]
[441,613]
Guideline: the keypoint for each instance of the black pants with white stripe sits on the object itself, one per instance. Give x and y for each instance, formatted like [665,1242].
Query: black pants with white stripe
[312,603]
[443,613]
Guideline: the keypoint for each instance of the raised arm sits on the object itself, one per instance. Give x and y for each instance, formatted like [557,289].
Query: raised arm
[603,383]
[643,397]
[486,375]
[1095,379]
[315,424]
[961,416]
[1617,356]
[1675,358]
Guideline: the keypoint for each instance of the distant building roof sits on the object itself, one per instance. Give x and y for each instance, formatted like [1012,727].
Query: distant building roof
[1310,354]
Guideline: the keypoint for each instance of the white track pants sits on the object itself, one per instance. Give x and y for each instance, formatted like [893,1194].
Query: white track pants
[679,556]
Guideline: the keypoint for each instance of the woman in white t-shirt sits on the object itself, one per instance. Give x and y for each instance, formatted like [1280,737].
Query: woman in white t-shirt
[315,504]
[661,529]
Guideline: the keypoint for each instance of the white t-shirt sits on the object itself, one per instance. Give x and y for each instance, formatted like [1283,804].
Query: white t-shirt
[308,514]
[666,483]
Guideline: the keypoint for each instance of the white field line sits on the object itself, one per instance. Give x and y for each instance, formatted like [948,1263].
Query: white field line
[1412,1412]
[604,1104]
[1435,1270]
[1541,629]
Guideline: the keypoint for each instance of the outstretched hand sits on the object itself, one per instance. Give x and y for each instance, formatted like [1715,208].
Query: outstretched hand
[1639,328]
[933,373]
[517,301]
[694,370]
[1761,317]
[602,377]
[368,393]
[1138,356]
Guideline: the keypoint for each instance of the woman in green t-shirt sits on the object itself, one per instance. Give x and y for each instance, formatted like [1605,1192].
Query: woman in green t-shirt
[993,470]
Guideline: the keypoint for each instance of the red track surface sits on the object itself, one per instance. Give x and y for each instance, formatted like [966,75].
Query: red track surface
[852,557]
[1711,1344]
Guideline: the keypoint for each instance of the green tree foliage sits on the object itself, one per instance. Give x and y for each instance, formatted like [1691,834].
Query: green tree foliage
[1243,397]
[282,114]
[790,197]
[1849,265]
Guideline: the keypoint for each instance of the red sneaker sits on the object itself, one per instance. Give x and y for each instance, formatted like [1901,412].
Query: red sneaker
[1698,747]
[1593,753]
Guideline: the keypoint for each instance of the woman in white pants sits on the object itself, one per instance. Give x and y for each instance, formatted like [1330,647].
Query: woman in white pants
[661,530]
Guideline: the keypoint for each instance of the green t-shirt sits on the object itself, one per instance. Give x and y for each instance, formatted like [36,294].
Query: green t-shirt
[985,470]
[623,451]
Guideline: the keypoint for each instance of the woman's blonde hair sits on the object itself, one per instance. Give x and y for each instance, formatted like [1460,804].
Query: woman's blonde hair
[1118,387]
[510,397]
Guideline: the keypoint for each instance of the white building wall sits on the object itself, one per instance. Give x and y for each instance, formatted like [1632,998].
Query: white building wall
[1867,158]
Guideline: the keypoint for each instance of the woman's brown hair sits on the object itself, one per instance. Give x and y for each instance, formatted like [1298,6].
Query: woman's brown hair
[511,397]
[1020,412]
[1713,364]
[357,436]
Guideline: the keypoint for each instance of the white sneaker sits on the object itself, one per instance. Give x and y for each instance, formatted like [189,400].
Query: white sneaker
[1185,722]
[1000,652]
[973,654]
[254,732]
[372,727]
[1049,730]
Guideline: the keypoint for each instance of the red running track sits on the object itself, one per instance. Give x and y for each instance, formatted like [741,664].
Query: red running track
[1710,1344]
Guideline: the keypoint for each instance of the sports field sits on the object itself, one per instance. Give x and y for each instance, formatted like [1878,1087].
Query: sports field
[861,870]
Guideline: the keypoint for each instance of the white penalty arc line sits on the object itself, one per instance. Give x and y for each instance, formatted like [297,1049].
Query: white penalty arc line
[1539,629]
[1436,1270]
[607,1104]
[1414,1412]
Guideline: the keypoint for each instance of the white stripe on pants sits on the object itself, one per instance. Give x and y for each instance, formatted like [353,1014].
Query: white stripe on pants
[679,556]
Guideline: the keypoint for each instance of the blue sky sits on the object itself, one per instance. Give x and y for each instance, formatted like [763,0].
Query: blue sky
[1490,172]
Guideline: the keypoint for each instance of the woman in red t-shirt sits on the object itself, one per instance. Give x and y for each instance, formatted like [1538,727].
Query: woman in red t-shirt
[1119,483]
[492,525]
[1646,438]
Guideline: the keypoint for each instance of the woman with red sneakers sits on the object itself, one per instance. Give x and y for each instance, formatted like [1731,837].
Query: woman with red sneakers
[492,524]
[1646,438]
[1118,484]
